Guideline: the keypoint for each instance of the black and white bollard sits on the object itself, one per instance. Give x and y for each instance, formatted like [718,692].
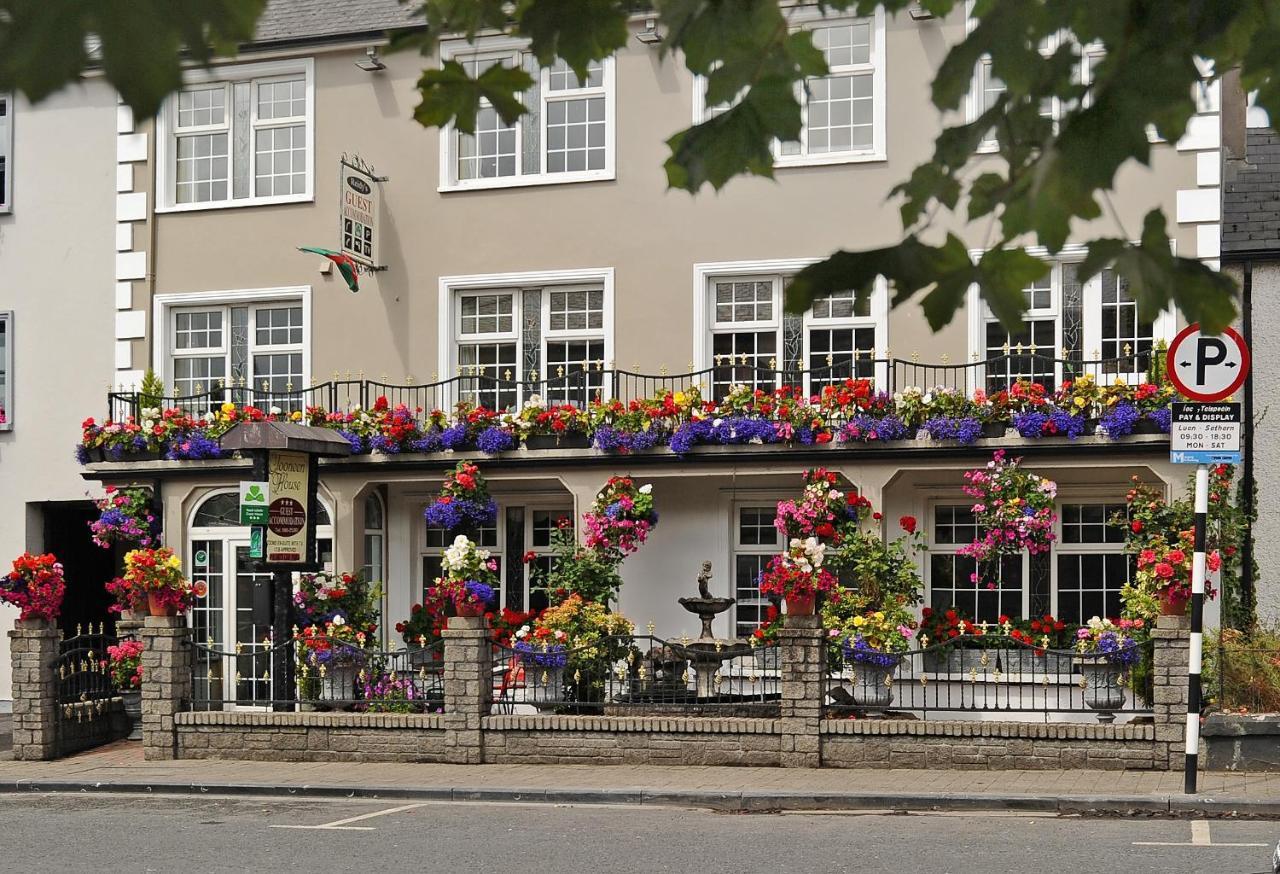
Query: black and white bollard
[1198,568]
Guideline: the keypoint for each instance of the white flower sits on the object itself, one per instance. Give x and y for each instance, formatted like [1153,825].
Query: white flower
[209,417]
[338,620]
[275,411]
[355,408]
[148,424]
[322,595]
[716,423]
[646,489]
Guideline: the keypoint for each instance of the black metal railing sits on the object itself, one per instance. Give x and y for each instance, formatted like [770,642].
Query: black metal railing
[328,675]
[580,384]
[636,675]
[1005,675]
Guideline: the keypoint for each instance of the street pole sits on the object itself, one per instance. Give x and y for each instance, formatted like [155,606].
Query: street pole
[1198,568]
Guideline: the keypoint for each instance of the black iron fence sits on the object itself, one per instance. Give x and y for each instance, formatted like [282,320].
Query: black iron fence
[329,674]
[85,689]
[1005,675]
[637,675]
[580,384]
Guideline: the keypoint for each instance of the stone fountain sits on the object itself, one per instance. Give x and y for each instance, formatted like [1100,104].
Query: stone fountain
[708,652]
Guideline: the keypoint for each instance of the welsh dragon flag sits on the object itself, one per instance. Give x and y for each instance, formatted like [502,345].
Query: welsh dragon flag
[346,264]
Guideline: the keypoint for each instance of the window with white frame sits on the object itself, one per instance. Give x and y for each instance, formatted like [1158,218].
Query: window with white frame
[241,135]
[751,338]
[375,538]
[541,526]
[553,335]
[565,134]
[1068,326]
[843,113]
[1092,565]
[257,346]
[951,582]
[755,542]
[6,152]
[6,371]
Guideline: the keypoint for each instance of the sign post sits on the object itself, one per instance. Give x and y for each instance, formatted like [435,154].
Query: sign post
[282,495]
[1209,369]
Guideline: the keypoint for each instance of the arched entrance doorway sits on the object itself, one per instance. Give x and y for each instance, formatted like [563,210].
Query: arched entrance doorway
[235,616]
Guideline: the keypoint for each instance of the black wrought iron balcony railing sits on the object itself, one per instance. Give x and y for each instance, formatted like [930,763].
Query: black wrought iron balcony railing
[582,383]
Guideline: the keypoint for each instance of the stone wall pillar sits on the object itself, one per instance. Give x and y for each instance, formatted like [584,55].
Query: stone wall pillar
[166,682]
[1171,639]
[33,647]
[803,667]
[468,687]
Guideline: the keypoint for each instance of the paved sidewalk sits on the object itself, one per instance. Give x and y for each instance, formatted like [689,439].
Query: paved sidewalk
[120,768]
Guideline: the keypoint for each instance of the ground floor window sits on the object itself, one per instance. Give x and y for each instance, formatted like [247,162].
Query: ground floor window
[1092,565]
[755,542]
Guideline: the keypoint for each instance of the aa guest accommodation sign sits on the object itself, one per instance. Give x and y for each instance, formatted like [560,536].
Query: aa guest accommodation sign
[288,479]
[361,201]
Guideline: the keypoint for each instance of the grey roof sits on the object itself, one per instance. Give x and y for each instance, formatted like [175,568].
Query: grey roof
[1251,200]
[294,20]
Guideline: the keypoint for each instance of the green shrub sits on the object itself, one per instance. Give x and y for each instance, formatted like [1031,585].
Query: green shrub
[1242,670]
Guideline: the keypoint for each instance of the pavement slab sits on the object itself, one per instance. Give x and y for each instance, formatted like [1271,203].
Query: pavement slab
[120,767]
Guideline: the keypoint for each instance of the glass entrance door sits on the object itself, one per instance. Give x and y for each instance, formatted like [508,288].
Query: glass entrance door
[234,619]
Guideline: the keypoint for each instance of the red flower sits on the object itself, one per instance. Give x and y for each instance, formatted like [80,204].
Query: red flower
[822,437]
[908,524]
[1136,526]
[826,529]
[530,557]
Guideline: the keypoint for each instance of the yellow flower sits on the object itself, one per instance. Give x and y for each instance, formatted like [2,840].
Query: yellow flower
[296,415]
[859,621]
[174,562]
[681,397]
[879,616]
[1080,402]
[228,408]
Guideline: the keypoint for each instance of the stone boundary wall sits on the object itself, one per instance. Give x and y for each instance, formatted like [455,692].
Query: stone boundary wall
[310,737]
[801,736]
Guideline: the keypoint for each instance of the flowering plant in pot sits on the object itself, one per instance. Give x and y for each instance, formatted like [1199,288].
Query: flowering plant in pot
[1164,570]
[124,661]
[323,596]
[764,639]
[35,586]
[873,643]
[464,503]
[798,577]
[589,571]
[621,516]
[158,574]
[1108,653]
[468,578]
[1013,509]
[124,516]
[334,652]
[824,512]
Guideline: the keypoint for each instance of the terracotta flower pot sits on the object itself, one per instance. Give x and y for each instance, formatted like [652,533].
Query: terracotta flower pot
[1173,604]
[800,605]
[159,609]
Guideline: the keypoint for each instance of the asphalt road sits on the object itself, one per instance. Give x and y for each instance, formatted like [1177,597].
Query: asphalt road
[211,834]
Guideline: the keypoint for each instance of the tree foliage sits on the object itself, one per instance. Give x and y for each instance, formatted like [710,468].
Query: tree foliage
[1052,173]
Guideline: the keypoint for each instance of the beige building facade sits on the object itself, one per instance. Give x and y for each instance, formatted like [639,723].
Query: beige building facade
[553,246]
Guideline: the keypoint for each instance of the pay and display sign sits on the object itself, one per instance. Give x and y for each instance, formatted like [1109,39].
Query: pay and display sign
[1205,434]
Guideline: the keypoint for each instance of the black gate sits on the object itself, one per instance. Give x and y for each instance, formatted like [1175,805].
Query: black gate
[90,712]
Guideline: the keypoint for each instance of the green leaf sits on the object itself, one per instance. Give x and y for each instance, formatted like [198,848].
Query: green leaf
[450,95]
[579,31]
[140,43]
[1003,276]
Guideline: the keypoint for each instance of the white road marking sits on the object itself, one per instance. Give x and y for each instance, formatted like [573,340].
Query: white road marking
[1199,838]
[345,824]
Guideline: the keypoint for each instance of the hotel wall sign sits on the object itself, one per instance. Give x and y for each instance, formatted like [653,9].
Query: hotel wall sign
[289,479]
[359,211]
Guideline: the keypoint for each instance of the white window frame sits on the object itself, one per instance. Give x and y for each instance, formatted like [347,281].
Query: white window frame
[451,288]
[805,18]
[936,548]
[979,314]
[1061,547]
[165,307]
[166,133]
[6,361]
[778,270]
[509,47]
[6,153]
[420,550]
[736,548]
[563,507]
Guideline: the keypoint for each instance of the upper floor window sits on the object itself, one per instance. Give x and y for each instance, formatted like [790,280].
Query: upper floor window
[6,152]
[551,332]
[751,340]
[256,346]
[6,371]
[843,112]
[565,135]
[1068,327]
[238,136]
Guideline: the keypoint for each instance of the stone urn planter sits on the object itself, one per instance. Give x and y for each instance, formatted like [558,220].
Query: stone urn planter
[132,699]
[338,683]
[1103,690]
[543,684]
[873,684]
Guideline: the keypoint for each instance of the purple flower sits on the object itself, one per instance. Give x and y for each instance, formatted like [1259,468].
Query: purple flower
[1162,417]
[864,428]
[554,656]
[480,591]
[1119,420]
[493,440]
[454,436]
[856,649]
[358,445]
[964,430]
[428,442]
[459,513]
[384,445]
